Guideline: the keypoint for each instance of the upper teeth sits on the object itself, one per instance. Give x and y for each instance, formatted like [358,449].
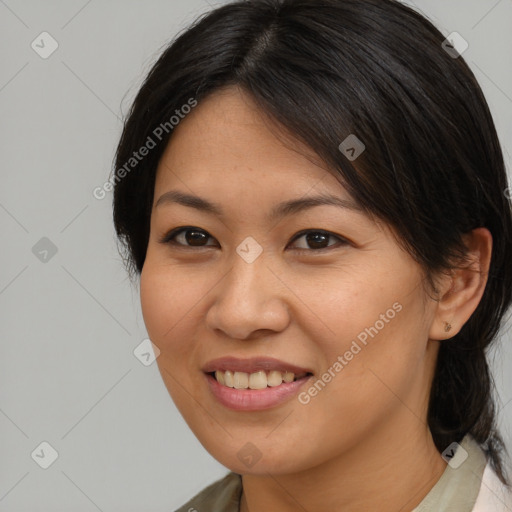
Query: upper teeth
[256,380]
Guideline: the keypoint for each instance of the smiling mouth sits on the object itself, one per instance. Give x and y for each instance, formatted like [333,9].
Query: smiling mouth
[256,380]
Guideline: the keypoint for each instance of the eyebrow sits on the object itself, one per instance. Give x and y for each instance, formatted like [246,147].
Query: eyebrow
[283,209]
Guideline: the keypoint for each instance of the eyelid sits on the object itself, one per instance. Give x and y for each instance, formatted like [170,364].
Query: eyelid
[169,238]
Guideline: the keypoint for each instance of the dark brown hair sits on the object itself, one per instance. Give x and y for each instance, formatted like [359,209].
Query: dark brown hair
[433,167]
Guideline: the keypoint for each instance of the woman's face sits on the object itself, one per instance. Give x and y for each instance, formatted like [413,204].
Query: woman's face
[256,289]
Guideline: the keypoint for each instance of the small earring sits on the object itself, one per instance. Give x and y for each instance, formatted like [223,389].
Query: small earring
[447,327]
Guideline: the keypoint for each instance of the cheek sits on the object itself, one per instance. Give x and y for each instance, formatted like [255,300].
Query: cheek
[377,330]
[156,300]
[167,300]
[167,308]
[338,307]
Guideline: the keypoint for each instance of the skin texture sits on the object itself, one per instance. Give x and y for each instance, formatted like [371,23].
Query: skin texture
[362,443]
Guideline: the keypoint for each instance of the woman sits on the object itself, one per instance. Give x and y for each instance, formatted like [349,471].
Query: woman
[314,198]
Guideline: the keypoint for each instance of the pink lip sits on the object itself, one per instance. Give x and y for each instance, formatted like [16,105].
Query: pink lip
[254,399]
[251,365]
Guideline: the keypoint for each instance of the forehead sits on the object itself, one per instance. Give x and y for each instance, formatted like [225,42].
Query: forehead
[228,141]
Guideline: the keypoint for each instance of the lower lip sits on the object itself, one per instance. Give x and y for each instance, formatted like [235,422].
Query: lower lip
[255,399]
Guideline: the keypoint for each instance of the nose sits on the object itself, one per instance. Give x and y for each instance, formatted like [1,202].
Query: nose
[250,302]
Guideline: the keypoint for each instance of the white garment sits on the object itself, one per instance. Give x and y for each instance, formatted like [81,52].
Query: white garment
[493,495]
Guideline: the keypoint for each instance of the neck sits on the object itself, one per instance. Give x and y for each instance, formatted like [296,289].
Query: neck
[390,472]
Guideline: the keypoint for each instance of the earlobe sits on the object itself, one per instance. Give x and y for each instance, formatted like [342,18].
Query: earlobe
[465,287]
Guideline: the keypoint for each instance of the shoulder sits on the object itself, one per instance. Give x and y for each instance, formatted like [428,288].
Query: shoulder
[221,496]
[493,496]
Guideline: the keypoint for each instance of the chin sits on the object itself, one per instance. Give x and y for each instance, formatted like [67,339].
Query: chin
[249,460]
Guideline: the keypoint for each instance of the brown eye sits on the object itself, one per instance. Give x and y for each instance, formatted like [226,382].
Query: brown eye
[318,240]
[315,240]
[195,237]
[187,237]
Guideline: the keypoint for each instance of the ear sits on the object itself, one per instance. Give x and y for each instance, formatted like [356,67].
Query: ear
[461,291]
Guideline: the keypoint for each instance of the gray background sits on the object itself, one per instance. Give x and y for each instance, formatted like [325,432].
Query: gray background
[70,321]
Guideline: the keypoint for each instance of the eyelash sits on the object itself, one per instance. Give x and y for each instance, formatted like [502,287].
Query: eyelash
[169,238]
